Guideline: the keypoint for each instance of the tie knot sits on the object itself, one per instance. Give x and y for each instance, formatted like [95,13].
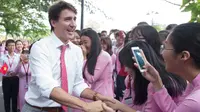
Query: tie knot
[63,47]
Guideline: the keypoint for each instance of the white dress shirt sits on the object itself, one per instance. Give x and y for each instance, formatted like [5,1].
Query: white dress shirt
[46,73]
[11,61]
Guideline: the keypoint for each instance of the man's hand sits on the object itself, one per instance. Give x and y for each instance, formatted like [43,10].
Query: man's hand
[94,107]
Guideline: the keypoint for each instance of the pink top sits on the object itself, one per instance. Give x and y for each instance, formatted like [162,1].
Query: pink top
[127,92]
[102,81]
[150,105]
[23,82]
[190,103]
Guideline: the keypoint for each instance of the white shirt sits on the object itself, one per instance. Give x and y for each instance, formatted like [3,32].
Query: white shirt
[11,61]
[46,74]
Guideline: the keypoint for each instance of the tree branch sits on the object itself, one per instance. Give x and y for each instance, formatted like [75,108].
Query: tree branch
[172,3]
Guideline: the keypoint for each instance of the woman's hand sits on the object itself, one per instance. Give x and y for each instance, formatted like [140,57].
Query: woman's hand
[151,73]
[115,105]
[106,108]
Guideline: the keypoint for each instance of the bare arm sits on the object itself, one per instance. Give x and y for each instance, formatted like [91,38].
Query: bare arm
[60,96]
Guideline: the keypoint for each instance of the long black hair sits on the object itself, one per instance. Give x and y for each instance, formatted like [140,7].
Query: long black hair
[94,51]
[174,84]
[148,34]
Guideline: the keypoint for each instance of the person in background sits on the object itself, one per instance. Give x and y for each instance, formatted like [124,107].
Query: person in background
[3,48]
[98,68]
[119,36]
[25,45]
[163,35]
[19,46]
[148,34]
[171,27]
[120,69]
[106,45]
[76,39]
[127,98]
[56,68]
[24,74]
[104,34]
[10,81]
[128,38]
[143,23]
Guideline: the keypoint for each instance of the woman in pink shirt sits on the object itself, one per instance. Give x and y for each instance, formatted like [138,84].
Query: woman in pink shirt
[3,48]
[98,69]
[142,89]
[182,57]
[106,45]
[19,46]
[24,75]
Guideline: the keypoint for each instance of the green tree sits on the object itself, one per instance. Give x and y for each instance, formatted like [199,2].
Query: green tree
[25,17]
[192,6]
[19,16]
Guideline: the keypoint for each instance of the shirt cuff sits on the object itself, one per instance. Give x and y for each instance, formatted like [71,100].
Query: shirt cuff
[78,89]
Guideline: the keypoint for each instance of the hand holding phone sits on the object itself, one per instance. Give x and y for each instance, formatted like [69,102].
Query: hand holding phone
[149,72]
[139,58]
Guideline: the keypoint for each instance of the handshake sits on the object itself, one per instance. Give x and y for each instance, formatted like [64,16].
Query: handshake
[103,104]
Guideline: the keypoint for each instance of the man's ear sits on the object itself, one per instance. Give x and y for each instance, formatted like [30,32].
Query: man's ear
[53,23]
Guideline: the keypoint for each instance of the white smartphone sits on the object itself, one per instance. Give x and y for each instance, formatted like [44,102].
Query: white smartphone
[138,58]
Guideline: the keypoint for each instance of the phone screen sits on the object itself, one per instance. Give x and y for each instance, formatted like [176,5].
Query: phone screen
[139,58]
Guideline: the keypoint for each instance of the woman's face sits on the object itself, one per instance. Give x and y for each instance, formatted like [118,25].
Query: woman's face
[104,46]
[77,38]
[19,46]
[25,44]
[169,56]
[24,57]
[86,41]
[119,40]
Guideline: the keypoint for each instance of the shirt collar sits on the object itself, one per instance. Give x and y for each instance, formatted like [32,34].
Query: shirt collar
[58,42]
[10,56]
[196,81]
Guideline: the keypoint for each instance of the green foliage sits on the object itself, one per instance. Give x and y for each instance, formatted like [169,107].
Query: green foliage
[192,6]
[19,17]
[158,27]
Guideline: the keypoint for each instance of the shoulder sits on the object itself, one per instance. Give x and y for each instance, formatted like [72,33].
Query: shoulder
[195,96]
[43,41]
[17,55]
[104,56]
[3,56]
[193,101]
[41,48]
[42,44]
